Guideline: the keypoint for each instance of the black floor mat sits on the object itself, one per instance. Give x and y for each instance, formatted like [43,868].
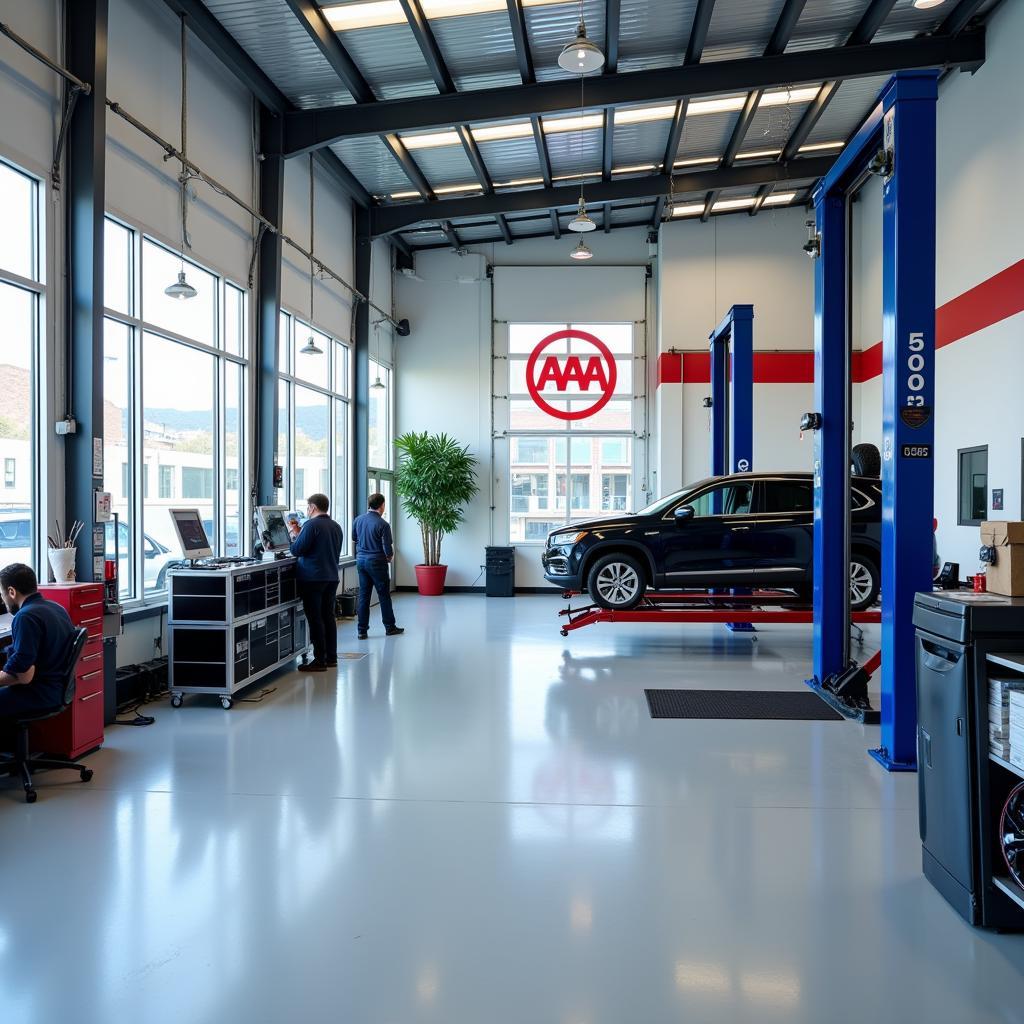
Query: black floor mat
[784,705]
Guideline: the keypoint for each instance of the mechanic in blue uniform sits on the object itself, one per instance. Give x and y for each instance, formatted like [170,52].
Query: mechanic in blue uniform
[374,550]
[33,675]
[317,546]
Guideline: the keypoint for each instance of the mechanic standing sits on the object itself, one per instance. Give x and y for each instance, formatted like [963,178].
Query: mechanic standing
[374,551]
[317,546]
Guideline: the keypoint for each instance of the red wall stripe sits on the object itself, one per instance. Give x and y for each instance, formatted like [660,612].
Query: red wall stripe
[988,303]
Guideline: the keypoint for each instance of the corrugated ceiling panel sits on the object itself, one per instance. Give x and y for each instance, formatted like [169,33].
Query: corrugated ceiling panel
[478,49]
[850,105]
[548,29]
[372,163]
[772,126]
[482,233]
[631,216]
[511,159]
[706,135]
[639,143]
[390,61]
[826,23]
[740,28]
[445,165]
[271,34]
[575,152]
[653,35]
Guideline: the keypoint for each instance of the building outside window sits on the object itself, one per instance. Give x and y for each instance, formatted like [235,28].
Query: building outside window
[22,299]
[973,486]
[174,380]
[579,469]
[314,413]
[381,454]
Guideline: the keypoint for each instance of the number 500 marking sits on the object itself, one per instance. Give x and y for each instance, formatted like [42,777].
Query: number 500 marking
[915,364]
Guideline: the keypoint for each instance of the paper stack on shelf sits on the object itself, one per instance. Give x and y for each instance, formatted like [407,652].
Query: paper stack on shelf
[1016,731]
[1000,694]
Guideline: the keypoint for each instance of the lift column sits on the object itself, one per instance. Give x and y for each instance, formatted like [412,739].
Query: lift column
[908,388]
[732,392]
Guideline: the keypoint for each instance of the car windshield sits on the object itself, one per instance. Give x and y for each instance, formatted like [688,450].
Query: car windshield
[664,504]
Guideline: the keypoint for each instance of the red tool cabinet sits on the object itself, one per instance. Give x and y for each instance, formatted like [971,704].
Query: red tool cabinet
[80,728]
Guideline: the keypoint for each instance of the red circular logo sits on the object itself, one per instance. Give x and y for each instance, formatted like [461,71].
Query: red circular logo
[598,370]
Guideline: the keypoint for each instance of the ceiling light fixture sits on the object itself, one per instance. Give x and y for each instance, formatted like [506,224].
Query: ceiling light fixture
[581,56]
[581,252]
[582,222]
[181,289]
[926,5]
[311,348]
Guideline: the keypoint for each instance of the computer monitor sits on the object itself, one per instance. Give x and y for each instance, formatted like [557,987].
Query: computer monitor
[273,530]
[188,524]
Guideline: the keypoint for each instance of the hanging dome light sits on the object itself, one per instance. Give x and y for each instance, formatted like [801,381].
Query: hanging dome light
[181,289]
[581,252]
[378,384]
[311,348]
[581,222]
[581,56]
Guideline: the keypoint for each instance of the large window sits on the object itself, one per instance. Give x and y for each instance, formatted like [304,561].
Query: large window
[566,469]
[313,417]
[973,484]
[174,381]
[21,299]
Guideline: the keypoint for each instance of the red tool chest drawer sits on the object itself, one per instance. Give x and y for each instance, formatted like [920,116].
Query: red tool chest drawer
[80,728]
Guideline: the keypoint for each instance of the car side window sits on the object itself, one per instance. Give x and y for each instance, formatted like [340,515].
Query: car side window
[788,496]
[727,500]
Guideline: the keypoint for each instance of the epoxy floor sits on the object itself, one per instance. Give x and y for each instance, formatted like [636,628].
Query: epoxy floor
[478,823]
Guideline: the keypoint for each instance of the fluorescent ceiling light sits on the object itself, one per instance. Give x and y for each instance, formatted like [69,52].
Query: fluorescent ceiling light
[780,97]
[697,161]
[640,115]
[500,132]
[634,169]
[443,190]
[577,177]
[519,183]
[925,5]
[724,205]
[687,209]
[779,199]
[575,123]
[814,147]
[377,13]
[758,154]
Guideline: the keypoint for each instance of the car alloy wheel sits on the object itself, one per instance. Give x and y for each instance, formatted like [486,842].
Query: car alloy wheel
[618,583]
[861,583]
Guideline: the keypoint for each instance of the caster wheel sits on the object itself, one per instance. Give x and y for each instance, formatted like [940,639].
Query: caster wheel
[31,796]
[564,632]
[226,703]
[86,774]
[176,700]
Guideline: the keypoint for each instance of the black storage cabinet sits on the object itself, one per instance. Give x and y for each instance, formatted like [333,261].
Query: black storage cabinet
[501,571]
[961,788]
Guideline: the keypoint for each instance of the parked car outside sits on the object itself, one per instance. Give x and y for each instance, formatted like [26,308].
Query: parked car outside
[744,530]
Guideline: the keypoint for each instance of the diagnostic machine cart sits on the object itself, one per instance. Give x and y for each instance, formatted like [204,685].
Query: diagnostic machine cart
[231,621]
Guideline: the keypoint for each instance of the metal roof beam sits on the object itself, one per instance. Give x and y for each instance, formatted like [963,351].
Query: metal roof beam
[957,19]
[709,202]
[781,35]
[311,129]
[518,22]
[556,227]
[694,50]
[606,217]
[428,45]
[612,11]
[505,232]
[762,194]
[449,233]
[531,234]
[403,215]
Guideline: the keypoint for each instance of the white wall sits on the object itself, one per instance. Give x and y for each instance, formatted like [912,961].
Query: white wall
[703,270]
[444,381]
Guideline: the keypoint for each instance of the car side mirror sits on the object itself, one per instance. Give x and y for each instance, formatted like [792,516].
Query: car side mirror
[683,513]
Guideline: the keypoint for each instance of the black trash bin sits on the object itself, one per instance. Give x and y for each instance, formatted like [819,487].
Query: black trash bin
[501,571]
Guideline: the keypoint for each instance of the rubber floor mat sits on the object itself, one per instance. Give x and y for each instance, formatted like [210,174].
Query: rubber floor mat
[780,705]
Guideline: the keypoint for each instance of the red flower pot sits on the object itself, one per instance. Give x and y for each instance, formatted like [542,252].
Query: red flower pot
[430,579]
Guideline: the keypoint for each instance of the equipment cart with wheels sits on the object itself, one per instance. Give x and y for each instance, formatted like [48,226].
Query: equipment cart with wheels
[231,624]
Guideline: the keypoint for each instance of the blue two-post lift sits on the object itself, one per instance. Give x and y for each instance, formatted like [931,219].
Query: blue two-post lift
[732,402]
[898,142]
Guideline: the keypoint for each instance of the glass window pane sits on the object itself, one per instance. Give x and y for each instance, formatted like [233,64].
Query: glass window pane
[283,434]
[380,417]
[17,518]
[284,343]
[233,440]
[339,500]
[194,318]
[311,367]
[179,431]
[523,338]
[234,320]
[117,267]
[341,368]
[732,499]
[312,431]
[117,448]
[17,239]
[618,337]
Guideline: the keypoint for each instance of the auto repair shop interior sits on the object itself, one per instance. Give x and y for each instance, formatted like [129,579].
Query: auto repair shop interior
[682,340]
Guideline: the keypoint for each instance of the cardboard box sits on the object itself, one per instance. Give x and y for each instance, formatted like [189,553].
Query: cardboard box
[1006,576]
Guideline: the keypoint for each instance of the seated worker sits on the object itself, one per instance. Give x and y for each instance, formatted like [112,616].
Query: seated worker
[317,546]
[32,677]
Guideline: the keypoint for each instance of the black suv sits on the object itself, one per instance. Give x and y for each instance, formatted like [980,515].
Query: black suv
[745,530]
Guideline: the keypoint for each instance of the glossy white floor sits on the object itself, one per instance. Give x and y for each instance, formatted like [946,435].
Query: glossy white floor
[479,824]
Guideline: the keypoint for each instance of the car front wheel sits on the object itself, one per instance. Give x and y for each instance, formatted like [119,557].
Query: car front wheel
[864,583]
[616,582]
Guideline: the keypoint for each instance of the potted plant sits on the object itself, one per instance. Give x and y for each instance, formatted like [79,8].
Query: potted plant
[436,477]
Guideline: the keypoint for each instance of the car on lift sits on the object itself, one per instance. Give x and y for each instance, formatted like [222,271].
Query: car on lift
[743,530]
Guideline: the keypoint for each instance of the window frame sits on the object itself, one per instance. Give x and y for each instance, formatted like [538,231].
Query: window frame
[136,594]
[961,452]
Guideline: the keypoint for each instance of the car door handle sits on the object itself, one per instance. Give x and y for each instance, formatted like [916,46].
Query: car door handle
[736,529]
[652,533]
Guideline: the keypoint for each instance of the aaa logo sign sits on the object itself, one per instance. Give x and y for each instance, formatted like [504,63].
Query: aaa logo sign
[592,370]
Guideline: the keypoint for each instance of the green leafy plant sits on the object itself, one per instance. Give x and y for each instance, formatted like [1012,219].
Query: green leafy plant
[436,477]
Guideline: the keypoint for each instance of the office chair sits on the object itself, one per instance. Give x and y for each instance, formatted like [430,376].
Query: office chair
[22,763]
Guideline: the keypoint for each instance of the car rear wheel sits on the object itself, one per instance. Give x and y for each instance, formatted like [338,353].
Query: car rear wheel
[864,583]
[616,582]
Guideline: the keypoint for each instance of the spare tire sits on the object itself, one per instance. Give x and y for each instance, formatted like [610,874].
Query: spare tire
[866,460]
